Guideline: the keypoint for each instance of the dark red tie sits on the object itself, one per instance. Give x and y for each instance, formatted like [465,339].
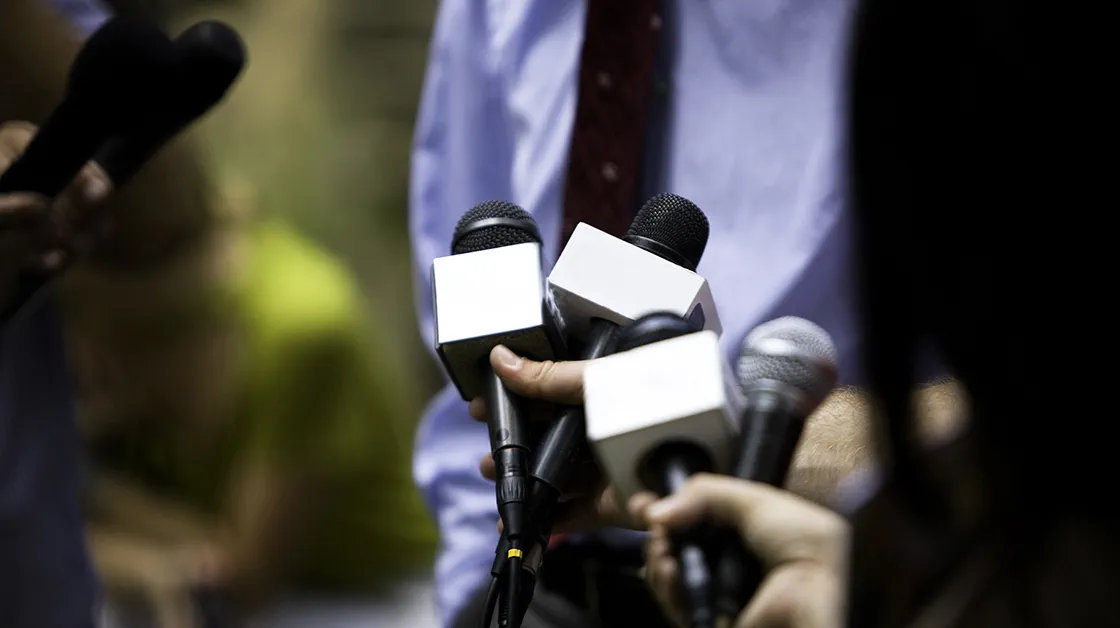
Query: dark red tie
[616,70]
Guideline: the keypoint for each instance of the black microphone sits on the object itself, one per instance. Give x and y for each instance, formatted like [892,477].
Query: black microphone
[598,283]
[490,291]
[673,229]
[659,447]
[210,56]
[786,368]
[119,74]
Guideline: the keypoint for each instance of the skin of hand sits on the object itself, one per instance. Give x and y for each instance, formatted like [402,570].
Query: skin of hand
[802,546]
[37,234]
[836,443]
[590,503]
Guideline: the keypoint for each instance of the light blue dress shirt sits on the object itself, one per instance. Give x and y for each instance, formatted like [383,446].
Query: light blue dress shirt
[753,134]
[86,15]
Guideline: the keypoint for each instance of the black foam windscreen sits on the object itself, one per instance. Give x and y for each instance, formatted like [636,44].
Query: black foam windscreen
[675,223]
[491,225]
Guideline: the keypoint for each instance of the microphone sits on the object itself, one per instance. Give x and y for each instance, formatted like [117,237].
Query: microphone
[786,368]
[660,410]
[116,77]
[490,291]
[210,56]
[599,283]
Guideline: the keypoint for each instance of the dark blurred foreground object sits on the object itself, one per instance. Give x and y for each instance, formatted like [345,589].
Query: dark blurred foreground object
[978,197]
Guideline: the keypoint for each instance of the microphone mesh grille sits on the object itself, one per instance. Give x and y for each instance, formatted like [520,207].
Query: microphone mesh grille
[492,237]
[809,364]
[674,222]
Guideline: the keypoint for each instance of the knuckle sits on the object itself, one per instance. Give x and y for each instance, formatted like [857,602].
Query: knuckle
[542,374]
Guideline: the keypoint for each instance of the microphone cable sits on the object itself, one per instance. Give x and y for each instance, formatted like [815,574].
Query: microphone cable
[513,586]
[491,603]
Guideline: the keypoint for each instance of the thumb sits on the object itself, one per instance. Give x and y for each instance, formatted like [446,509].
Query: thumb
[716,498]
[559,382]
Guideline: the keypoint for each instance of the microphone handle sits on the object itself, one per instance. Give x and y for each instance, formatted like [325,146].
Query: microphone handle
[61,147]
[57,153]
[509,436]
[772,431]
[561,448]
[673,466]
[120,156]
[120,159]
[565,442]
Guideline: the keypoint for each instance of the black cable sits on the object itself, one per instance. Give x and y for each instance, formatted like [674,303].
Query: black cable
[491,603]
[513,587]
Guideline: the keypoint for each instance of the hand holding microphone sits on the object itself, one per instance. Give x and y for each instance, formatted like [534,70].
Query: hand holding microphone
[490,292]
[802,547]
[659,411]
[786,368]
[589,503]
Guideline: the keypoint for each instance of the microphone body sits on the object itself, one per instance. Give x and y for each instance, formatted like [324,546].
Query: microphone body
[204,62]
[786,368]
[599,283]
[118,76]
[482,299]
[657,414]
[490,291]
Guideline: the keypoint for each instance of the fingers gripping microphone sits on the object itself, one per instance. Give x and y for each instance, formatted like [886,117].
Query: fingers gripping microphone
[786,369]
[490,291]
[210,56]
[660,410]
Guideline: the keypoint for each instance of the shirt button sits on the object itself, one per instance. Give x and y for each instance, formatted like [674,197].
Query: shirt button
[603,79]
[610,171]
[655,22]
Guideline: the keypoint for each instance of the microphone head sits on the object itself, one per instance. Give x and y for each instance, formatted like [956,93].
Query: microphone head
[491,225]
[791,353]
[675,226]
[651,328]
[125,61]
[211,56]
